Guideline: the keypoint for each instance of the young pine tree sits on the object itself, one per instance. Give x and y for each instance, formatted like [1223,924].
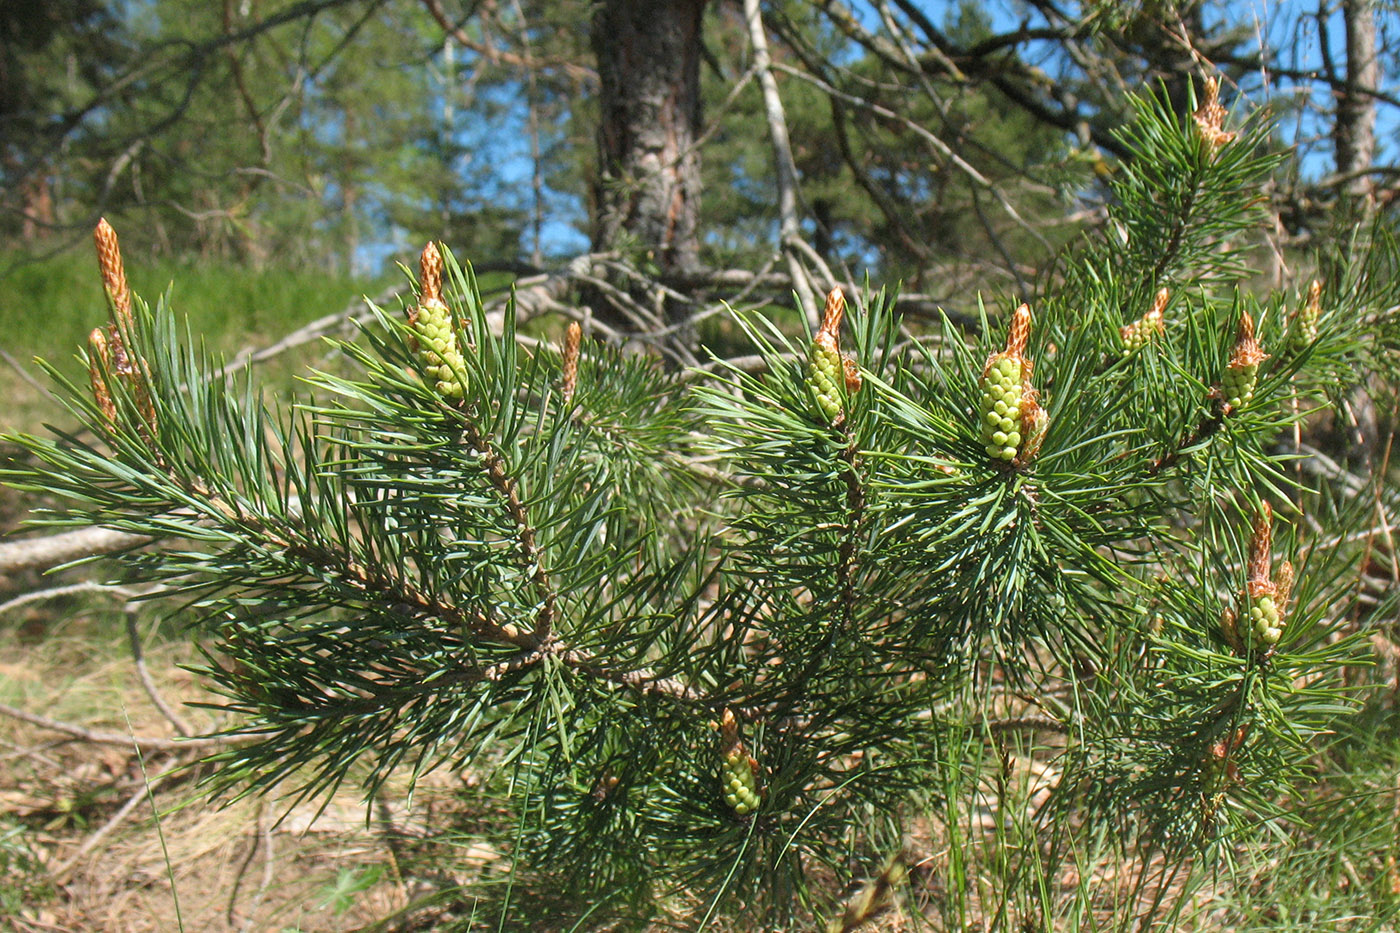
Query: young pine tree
[1068,540]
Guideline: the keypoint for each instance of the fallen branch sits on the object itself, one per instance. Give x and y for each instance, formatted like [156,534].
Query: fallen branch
[66,547]
[339,322]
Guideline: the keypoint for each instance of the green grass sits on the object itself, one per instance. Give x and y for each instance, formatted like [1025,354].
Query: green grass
[52,303]
[49,305]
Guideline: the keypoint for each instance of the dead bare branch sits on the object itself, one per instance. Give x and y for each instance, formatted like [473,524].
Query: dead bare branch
[100,737]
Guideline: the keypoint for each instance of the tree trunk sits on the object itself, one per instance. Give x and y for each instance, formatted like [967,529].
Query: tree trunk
[648,189]
[37,194]
[1355,130]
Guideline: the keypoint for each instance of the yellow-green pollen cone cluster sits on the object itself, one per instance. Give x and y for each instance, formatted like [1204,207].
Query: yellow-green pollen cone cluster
[1238,384]
[437,347]
[1136,336]
[1242,371]
[1266,595]
[826,375]
[1264,620]
[740,784]
[1305,331]
[1152,324]
[1002,393]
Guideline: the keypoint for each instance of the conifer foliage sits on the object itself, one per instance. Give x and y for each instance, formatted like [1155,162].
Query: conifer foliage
[1065,523]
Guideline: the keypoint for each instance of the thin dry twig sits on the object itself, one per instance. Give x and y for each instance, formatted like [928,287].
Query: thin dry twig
[25,375]
[149,685]
[70,589]
[269,871]
[262,833]
[100,737]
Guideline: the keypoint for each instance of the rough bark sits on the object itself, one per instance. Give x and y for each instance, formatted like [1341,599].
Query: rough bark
[648,188]
[37,194]
[1354,133]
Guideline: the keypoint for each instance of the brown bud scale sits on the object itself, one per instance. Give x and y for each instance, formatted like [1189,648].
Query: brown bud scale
[100,359]
[430,273]
[1260,547]
[109,263]
[1018,334]
[833,312]
[572,339]
[854,380]
[1210,118]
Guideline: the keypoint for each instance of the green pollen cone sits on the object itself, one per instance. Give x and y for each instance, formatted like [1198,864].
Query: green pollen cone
[1136,336]
[740,785]
[1306,330]
[437,348]
[1238,384]
[1000,409]
[826,376]
[1264,620]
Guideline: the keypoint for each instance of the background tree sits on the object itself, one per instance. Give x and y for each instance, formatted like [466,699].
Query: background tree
[52,55]
[341,76]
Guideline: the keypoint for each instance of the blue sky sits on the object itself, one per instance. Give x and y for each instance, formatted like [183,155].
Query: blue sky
[1290,28]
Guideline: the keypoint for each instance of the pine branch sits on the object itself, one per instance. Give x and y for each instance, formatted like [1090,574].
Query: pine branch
[1202,432]
[530,555]
[847,566]
[557,568]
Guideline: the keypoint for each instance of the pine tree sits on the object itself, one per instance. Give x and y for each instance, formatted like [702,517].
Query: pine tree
[468,555]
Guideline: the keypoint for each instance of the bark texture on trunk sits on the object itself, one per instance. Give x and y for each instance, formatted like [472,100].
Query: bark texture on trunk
[648,55]
[1355,130]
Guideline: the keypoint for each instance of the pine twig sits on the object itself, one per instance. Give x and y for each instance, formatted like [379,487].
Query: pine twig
[530,555]
[847,555]
[1206,428]
[643,680]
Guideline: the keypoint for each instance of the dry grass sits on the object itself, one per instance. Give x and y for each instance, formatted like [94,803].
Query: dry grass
[86,809]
